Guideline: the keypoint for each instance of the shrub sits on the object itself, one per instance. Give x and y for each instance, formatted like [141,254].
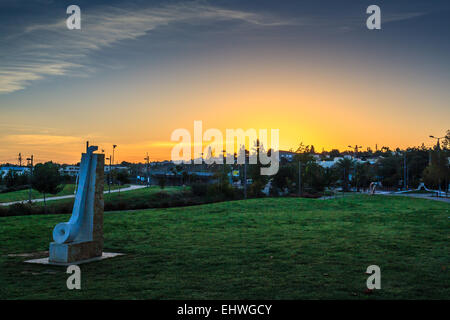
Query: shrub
[162,182]
[255,189]
[199,189]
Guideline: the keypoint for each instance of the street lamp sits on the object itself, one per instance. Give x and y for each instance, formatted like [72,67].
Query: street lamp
[439,160]
[114,146]
[433,137]
[109,174]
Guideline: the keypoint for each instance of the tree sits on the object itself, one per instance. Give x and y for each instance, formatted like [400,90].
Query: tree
[446,140]
[417,159]
[123,177]
[334,153]
[364,175]
[284,179]
[389,170]
[254,171]
[437,173]
[162,181]
[12,179]
[46,179]
[310,171]
[178,171]
[344,166]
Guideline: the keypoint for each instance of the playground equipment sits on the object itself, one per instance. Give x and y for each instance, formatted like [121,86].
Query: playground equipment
[372,187]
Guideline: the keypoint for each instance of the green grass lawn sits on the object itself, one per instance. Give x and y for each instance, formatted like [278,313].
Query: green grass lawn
[273,248]
[24,194]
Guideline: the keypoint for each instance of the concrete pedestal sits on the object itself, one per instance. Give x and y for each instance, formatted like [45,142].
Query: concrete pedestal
[45,261]
[74,251]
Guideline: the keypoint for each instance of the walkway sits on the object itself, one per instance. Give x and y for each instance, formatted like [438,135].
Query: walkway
[132,187]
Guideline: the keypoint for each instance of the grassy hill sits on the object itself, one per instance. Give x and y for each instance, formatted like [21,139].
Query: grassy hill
[273,248]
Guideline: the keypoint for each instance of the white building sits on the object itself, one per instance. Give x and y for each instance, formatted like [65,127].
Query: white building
[19,170]
[73,170]
[119,168]
[70,170]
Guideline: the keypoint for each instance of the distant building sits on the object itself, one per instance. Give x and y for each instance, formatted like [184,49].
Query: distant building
[73,170]
[116,167]
[19,170]
[286,155]
[327,163]
[70,170]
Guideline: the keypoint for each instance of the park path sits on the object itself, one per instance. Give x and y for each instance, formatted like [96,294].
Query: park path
[131,187]
[386,193]
[422,196]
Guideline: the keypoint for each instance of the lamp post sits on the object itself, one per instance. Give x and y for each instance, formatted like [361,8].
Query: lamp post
[109,174]
[405,172]
[30,163]
[114,146]
[147,160]
[439,160]
[299,178]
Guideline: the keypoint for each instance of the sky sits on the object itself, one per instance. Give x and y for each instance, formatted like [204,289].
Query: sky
[138,70]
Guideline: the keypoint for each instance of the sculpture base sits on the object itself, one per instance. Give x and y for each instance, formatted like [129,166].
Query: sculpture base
[74,251]
[105,255]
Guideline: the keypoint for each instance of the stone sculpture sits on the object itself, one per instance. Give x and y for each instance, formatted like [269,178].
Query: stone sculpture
[81,238]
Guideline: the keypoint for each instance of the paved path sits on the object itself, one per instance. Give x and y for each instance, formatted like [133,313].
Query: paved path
[422,196]
[385,193]
[132,187]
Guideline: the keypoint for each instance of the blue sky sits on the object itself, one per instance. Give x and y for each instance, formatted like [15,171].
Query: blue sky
[53,80]
[34,46]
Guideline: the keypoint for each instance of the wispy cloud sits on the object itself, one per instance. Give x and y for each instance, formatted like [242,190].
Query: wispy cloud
[42,50]
[42,139]
[402,16]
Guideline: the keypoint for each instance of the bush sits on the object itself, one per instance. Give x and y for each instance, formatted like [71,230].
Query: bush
[199,189]
[163,199]
[162,182]
[14,188]
[255,189]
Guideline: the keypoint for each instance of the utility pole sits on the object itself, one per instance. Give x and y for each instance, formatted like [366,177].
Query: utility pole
[439,161]
[114,146]
[224,178]
[30,163]
[20,159]
[404,171]
[345,183]
[147,159]
[299,178]
[109,174]
[245,175]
